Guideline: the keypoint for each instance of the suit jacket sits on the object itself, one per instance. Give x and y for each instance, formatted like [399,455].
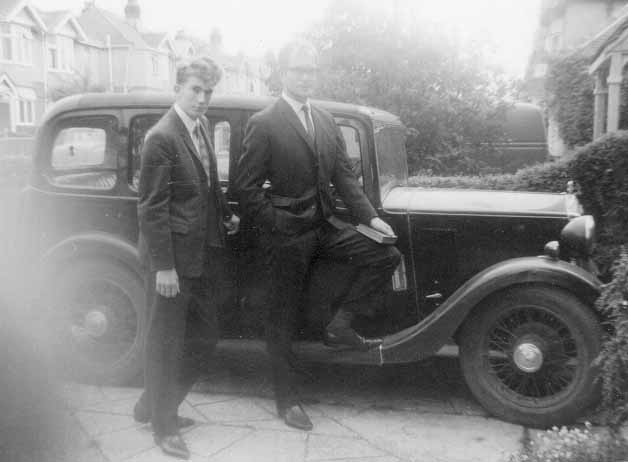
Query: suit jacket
[179,215]
[277,148]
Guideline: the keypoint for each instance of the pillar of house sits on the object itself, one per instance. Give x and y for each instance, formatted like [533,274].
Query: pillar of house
[599,107]
[614,92]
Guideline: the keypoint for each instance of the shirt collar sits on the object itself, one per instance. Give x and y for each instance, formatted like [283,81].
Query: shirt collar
[296,105]
[189,123]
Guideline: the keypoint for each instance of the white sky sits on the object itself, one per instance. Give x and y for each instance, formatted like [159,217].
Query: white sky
[254,26]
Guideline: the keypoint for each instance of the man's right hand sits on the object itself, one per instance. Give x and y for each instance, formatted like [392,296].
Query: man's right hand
[167,283]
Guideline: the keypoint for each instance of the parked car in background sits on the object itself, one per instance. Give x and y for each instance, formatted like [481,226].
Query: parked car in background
[474,276]
[526,138]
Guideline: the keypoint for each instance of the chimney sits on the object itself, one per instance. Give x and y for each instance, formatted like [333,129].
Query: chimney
[132,13]
[87,4]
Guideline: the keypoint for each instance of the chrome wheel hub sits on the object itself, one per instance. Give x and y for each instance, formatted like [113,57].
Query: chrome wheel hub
[528,357]
[95,324]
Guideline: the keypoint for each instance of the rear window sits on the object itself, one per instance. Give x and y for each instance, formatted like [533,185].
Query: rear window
[84,153]
[525,124]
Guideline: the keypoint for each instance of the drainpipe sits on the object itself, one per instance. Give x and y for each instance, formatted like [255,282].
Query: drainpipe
[110,62]
[45,68]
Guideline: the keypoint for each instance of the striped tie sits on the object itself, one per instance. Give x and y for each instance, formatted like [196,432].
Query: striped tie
[203,152]
[308,121]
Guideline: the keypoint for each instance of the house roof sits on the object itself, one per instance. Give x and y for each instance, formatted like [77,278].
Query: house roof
[99,24]
[55,20]
[9,8]
[594,47]
[154,39]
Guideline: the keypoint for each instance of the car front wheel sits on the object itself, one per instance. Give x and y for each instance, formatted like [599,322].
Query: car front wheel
[526,354]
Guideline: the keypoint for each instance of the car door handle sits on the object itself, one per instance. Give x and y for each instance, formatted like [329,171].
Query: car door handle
[434,296]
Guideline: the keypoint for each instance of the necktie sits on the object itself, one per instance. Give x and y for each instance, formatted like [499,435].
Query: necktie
[203,152]
[308,121]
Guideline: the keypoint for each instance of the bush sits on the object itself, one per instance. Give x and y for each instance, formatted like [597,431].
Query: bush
[546,177]
[575,445]
[613,359]
[570,98]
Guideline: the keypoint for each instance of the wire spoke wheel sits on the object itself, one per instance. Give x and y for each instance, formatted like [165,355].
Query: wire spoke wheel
[526,355]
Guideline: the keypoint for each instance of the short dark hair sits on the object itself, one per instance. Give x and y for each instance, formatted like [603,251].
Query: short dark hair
[290,48]
[202,67]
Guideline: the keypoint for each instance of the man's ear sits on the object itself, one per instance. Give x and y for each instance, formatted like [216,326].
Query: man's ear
[176,88]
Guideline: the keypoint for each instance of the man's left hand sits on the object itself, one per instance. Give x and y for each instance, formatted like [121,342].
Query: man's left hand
[381,226]
[233,224]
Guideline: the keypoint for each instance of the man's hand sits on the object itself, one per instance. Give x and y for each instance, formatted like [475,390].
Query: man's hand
[233,225]
[167,283]
[381,226]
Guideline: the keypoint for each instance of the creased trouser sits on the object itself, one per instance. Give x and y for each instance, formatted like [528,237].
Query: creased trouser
[181,337]
[290,263]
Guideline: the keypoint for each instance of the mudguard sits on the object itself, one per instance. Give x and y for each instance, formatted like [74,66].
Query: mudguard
[92,245]
[428,336]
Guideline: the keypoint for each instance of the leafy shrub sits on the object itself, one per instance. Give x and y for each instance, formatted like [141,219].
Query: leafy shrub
[547,177]
[575,445]
[570,98]
[613,359]
[601,171]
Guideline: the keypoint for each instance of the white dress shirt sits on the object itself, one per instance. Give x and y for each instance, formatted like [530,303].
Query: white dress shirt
[297,107]
[190,124]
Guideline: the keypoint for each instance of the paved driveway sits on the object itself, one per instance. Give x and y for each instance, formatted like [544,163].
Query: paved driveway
[420,412]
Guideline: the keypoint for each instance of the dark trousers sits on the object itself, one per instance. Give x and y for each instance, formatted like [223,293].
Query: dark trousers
[290,262]
[181,337]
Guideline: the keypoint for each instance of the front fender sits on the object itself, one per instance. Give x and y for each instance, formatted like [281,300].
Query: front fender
[92,245]
[428,336]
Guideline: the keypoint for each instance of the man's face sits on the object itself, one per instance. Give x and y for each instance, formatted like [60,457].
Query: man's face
[193,96]
[300,76]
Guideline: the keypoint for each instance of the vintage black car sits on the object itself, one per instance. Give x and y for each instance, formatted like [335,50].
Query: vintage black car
[479,275]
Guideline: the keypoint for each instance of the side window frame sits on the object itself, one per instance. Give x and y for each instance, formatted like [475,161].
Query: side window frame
[236,118]
[109,122]
[366,144]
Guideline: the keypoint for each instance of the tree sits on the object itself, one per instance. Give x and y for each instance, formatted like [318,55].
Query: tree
[386,57]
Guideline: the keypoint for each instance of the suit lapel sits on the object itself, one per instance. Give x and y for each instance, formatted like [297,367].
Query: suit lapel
[288,114]
[189,144]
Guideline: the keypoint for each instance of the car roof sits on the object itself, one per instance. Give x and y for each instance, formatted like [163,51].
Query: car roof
[147,99]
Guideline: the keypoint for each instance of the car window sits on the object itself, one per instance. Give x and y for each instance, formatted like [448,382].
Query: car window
[221,133]
[138,129]
[84,154]
[352,142]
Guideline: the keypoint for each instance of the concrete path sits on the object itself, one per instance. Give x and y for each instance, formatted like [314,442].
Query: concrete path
[405,413]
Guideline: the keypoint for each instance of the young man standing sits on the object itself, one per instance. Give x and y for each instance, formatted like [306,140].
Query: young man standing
[298,148]
[182,215]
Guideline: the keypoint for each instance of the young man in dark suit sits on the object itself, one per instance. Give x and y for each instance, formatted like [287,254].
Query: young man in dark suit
[182,215]
[298,148]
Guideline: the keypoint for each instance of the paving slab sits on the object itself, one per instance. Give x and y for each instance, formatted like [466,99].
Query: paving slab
[265,447]
[208,440]
[323,447]
[432,437]
[100,423]
[123,444]
[237,410]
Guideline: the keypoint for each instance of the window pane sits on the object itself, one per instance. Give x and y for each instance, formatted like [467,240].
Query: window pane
[29,112]
[7,51]
[137,134]
[77,147]
[352,141]
[22,112]
[222,143]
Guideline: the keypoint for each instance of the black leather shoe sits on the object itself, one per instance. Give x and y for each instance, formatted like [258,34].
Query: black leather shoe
[140,415]
[173,445]
[349,338]
[295,416]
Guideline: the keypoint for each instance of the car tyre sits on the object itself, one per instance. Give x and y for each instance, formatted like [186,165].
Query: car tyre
[98,318]
[527,353]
